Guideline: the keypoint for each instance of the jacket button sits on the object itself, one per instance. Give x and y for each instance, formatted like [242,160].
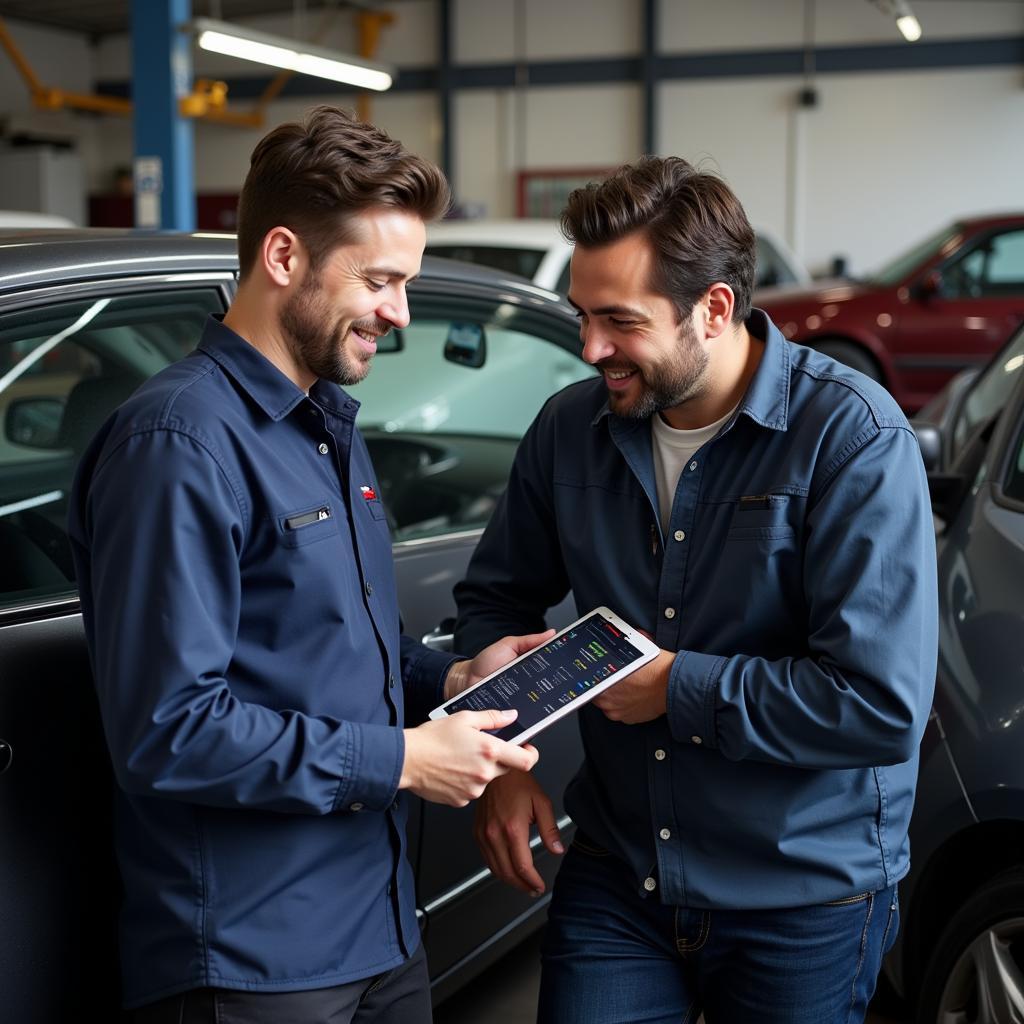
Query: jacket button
[355,807]
[659,755]
[665,833]
[670,613]
[322,448]
[368,587]
[679,535]
[696,739]
[391,682]
[650,884]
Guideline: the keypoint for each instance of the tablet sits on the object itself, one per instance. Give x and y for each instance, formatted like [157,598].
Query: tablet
[558,677]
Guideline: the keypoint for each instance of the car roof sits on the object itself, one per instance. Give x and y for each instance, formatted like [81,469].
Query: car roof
[540,234]
[35,258]
[988,219]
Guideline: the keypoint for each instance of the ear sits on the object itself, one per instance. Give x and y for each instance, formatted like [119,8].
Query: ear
[718,304]
[282,255]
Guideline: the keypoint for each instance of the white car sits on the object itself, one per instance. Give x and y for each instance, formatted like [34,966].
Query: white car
[536,250]
[18,219]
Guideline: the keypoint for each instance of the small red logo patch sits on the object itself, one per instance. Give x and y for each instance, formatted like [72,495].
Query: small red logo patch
[368,493]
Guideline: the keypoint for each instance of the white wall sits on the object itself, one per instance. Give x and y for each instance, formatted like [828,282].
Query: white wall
[883,159]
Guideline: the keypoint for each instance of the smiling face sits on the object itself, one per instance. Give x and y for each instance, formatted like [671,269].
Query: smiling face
[337,312]
[650,360]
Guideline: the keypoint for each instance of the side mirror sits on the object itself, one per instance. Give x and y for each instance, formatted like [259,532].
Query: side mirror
[34,422]
[393,341]
[928,287]
[929,437]
[466,345]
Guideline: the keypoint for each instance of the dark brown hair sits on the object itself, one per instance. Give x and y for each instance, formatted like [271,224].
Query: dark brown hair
[315,176]
[694,222]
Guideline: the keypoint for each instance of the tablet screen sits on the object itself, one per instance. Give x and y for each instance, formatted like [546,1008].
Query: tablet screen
[553,676]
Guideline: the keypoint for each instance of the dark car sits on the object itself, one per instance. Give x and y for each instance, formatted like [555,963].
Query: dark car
[85,317]
[946,305]
[960,953]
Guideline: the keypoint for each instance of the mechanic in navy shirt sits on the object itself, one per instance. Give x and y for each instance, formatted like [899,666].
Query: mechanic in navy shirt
[240,607]
[763,513]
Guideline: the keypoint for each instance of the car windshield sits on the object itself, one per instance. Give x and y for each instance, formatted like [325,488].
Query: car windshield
[990,391]
[511,259]
[896,270]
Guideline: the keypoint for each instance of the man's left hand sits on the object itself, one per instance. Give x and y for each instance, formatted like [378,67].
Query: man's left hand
[642,696]
[490,659]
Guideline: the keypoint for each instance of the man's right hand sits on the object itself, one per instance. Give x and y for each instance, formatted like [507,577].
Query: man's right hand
[451,760]
[509,806]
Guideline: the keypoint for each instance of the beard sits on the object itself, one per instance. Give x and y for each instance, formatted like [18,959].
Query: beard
[667,384]
[320,344]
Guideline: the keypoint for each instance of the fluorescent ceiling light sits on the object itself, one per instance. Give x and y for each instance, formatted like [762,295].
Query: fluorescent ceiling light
[910,27]
[290,54]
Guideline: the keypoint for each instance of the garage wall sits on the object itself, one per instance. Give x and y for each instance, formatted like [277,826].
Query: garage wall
[883,158]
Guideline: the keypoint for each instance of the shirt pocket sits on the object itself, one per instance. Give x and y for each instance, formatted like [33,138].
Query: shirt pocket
[377,510]
[307,524]
[761,517]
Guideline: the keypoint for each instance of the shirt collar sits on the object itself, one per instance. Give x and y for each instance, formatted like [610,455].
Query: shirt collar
[767,398]
[268,387]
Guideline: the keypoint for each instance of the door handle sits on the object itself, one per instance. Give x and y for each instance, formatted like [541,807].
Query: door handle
[440,638]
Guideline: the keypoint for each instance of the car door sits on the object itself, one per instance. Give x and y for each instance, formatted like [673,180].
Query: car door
[958,319]
[68,355]
[442,417]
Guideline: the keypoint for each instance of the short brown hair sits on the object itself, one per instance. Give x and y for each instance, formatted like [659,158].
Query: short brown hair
[696,226]
[314,176]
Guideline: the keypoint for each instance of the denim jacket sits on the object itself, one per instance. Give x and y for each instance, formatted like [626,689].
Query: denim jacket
[796,580]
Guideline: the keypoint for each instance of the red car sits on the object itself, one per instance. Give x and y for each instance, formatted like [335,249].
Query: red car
[947,304]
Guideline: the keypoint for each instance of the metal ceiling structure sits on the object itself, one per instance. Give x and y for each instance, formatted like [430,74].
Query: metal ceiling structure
[108,17]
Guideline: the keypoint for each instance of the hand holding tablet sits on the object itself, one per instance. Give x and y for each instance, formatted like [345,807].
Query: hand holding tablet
[547,683]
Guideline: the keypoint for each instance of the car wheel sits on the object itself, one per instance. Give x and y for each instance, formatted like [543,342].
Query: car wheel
[976,972]
[849,354]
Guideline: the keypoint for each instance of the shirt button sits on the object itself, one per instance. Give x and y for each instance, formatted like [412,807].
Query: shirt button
[322,448]
[391,682]
[679,535]
[696,739]
[650,884]
[693,466]
[665,834]
[660,755]
[368,587]
[670,613]
[355,807]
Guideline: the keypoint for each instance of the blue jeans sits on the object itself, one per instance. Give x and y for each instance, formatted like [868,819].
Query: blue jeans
[612,956]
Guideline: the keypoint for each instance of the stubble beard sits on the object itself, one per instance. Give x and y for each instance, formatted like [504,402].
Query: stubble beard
[668,384]
[321,349]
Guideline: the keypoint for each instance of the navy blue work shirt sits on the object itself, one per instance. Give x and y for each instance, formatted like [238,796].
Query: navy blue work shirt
[796,579]
[238,593]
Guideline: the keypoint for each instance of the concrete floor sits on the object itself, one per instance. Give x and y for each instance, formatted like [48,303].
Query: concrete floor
[507,993]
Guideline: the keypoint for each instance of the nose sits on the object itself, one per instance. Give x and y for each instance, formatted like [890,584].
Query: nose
[596,345]
[396,308]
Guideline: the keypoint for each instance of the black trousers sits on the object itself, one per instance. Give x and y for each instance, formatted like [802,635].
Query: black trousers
[399,996]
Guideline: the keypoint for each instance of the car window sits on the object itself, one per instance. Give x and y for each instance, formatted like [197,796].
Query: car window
[64,367]
[993,268]
[564,279]
[442,434]
[989,393]
[1013,487]
[772,269]
[896,270]
[512,259]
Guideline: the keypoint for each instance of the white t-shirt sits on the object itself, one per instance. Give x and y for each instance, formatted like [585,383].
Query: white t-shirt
[673,449]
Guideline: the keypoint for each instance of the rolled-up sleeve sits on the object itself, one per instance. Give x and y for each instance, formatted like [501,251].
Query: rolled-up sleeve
[861,693]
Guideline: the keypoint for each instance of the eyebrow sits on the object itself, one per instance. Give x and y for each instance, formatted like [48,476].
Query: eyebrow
[607,310]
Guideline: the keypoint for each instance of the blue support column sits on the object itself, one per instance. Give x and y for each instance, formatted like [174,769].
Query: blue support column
[164,141]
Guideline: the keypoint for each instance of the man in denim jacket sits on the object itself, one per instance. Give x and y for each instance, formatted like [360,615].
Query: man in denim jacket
[762,511]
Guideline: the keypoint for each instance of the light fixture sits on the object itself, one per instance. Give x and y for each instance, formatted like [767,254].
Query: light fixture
[290,54]
[909,26]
